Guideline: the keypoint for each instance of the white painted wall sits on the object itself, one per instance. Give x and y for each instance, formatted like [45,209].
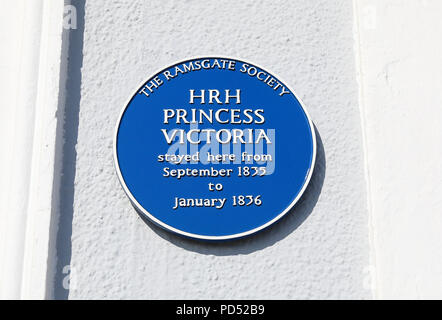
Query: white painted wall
[31,65]
[319,251]
[17,67]
[368,71]
[401,81]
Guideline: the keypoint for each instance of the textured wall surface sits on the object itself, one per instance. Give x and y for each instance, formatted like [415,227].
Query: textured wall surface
[319,250]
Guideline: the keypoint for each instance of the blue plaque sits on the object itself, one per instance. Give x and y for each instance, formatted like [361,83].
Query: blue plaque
[214,148]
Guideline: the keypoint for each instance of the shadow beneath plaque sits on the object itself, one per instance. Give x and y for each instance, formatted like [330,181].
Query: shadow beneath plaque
[266,237]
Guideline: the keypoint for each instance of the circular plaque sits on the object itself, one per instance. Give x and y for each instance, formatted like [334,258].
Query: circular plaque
[214,148]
